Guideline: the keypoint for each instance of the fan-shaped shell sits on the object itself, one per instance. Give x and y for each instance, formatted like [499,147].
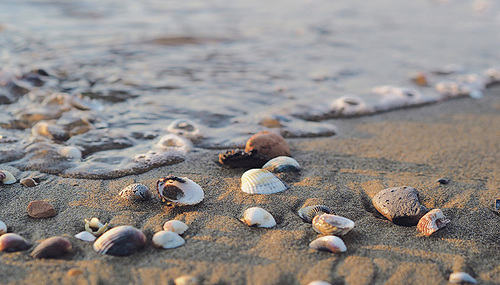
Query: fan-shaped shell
[167,239]
[328,224]
[461,277]
[259,217]
[261,181]
[95,227]
[431,222]
[179,191]
[135,192]
[6,177]
[13,242]
[85,236]
[328,243]
[282,164]
[3,228]
[120,241]
[52,248]
[175,226]
[308,213]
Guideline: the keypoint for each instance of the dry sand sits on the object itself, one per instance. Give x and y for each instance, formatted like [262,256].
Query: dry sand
[458,139]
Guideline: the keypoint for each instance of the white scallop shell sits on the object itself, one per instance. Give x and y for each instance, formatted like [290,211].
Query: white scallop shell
[167,239]
[328,243]
[282,164]
[461,277]
[175,226]
[70,152]
[85,236]
[259,217]
[332,224]
[179,191]
[6,177]
[431,222]
[94,223]
[261,181]
[3,228]
[185,128]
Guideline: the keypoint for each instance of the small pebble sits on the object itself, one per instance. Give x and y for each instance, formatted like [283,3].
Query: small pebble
[41,209]
[443,181]
[268,144]
[74,272]
[400,205]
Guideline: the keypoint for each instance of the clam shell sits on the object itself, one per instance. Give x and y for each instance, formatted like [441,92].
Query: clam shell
[328,243]
[175,226]
[185,128]
[13,242]
[186,280]
[167,239]
[261,181]
[308,213]
[6,177]
[259,217]
[282,164]
[461,277]
[85,236]
[332,224]
[135,192]
[431,222]
[52,248]
[179,191]
[29,182]
[95,227]
[3,228]
[120,241]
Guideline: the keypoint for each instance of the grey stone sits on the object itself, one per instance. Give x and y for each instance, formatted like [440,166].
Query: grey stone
[400,205]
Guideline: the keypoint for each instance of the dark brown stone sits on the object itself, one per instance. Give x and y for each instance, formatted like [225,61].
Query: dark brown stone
[41,209]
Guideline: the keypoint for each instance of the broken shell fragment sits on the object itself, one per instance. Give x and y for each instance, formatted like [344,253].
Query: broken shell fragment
[332,224]
[167,239]
[95,227]
[261,181]
[120,241]
[259,217]
[13,242]
[175,226]
[85,236]
[179,191]
[6,177]
[308,213]
[28,182]
[135,192]
[3,228]
[282,164]
[52,248]
[461,277]
[328,243]
[431,222]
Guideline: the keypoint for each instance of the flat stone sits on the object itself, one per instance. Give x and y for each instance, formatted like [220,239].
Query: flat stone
[400,205]
[41,209]
[268,144]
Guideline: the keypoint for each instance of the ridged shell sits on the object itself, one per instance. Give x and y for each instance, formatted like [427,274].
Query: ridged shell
[85,236]
[179,191]
[282,164]
[6,177]
[13,242]
[120,241]
[95,227]
[261,181]
[167,239]
[259,217]
[175,226]
[328,243]
[431,222]
[328,224]
[461,277]
[308,213]
[53,247]
[3,228]
[135,192]
[185,128]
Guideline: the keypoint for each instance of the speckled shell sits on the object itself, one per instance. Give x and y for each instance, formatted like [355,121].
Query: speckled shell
[135,192]
[13,242]
[431,222]
[120,241]
[282,164]
[261,181]
[259,217]
[179,191]
[328,224]
[461,278]
[175,226]
[53,247]
[85,236]
[308,213]
[3,228]
[328,243]
[6,177]
[167,239]
[94,223]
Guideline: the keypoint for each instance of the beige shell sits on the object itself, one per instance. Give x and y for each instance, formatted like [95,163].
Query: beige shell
[179,191]
[3,228]
[167,239]
[259,217]
[261,181]
[175,226]
[332,224]
[431,222]
[95,227]
[309,212]
[6,177]
[328,243]
[186,280]
[85,236]
[461,278]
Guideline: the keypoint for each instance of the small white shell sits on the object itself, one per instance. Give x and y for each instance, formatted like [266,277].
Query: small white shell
[282,164]
[461,277]
[328,243]
[261,181]
[431,222]
[3,228]
[332,224]
[179,191]
[135,192]
[6,177]
[318,282]
[85,236]
[175,226]
[167,239]
[70,152]
[120,241]
[185,128]
[259,217]
[94,223]
[349,105]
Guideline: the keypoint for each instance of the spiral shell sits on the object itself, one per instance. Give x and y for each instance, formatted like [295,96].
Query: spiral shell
[328,243]
[431,222]
[95,227]
[3,228]
[332,224]
[53,247]
[179,191]
[261,181]
[167,239]
[282,164]
[120,241]
[308,213]
[175,226]
[259,217]
[135,192]
[6,177]
[13,242]
[461,278]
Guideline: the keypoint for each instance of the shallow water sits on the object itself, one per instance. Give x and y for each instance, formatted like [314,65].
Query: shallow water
[130,68]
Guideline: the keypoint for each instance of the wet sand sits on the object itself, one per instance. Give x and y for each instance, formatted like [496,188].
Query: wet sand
[458,139]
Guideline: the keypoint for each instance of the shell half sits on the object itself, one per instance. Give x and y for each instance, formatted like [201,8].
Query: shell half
[308,213]
[95,227]
[6,177]
[328,243]
[53,247]
[179,191]
[261,181]
[282,164]
[85,236]
[431,222]
[328,224]
[461,278]
[175,226]
[12,242]
[120,241]
[167,239]
[259,217]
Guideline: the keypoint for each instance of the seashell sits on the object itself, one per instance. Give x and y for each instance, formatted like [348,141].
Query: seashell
[29,182]
[240,158]
[179,191]
[175,226]
[3,228]
[52,248]
[349,105]
[268,144]
[135,192]
[85,236]
[432,221]
[185,128]
[461,277]
[186,280]
[443,181]
[318,282]
[308,213]
[13,242]
[6,177]
[497,205]
[261,181]
[259,217]
[167,239]
[328,243]
[95,227]
[120,241]
[282,164]
[70,152]
[328,224]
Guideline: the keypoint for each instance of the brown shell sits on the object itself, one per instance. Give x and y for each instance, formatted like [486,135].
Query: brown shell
[53,247]
[268,144]
[432,221]
[12,242]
